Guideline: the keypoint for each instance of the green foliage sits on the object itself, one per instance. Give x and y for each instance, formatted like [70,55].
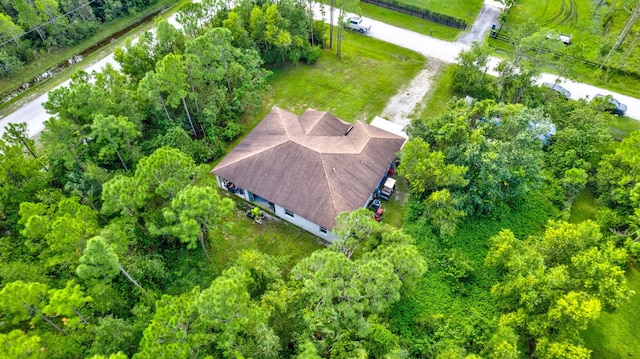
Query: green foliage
[241,324]
[617,180]
[552,286]
[343,296]
[67,302]
[497,145]
[17,344]
[469,75]
[194,212]
[171,331]
[21,301]
[57,232]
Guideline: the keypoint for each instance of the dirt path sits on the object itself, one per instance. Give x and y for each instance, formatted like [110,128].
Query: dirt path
[402,105]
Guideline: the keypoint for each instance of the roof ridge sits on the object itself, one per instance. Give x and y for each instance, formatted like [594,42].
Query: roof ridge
[326,178]
[284,125]
[253,154]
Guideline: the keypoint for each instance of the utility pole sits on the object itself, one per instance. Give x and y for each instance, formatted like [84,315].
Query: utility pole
[625,31]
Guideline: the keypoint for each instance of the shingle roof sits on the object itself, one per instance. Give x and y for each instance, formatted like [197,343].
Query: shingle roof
[308,165]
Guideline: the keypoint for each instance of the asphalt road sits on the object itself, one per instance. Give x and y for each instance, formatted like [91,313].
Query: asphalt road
[34,114]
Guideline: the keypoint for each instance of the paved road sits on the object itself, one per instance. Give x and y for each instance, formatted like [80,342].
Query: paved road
[34,114]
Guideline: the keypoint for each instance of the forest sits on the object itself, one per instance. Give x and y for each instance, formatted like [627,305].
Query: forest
[31,27]
[108,218]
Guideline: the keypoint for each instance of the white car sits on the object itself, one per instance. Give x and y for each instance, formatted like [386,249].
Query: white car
[356,24]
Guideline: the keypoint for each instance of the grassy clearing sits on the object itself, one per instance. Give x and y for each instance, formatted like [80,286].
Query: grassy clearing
[45,61]
[354,88]
[584,207]
[615,335]
[436,100]
[395,207]
[463,9]
[274,237]
[409,22]
[578,18]
[566,16]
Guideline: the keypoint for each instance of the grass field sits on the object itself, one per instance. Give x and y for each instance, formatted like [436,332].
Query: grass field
[591,35]
[354,88]
[409,22]
[437,98]
[274,237]
[615,335]
[462,9]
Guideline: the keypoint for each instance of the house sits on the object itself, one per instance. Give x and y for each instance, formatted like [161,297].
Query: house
[309,168]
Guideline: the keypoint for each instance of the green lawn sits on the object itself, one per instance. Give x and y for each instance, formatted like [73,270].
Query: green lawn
[274,237]
[437,98]
[578,18]
[615,335]
[566,16]
[354,88]
[584,207]
[409,22]
[462,9]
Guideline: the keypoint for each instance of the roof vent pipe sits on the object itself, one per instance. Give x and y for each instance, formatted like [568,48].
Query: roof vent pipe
[348,130]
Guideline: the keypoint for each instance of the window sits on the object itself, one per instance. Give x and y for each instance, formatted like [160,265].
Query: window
[288,213]
[323,230]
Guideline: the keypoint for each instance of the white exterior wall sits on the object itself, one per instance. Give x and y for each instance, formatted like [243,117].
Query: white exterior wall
[305,224]
[244,195]
[297,220]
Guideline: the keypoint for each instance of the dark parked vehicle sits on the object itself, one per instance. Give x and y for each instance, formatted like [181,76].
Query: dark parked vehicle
[612,105]
[557,88]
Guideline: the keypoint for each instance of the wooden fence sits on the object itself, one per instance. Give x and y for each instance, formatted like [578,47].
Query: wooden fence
[421,13]
[501,36]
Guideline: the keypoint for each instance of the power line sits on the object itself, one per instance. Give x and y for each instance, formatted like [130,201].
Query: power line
[47,23]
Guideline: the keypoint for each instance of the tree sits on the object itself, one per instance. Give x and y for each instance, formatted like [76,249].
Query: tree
[58,232]
[165,172]
[22,301]
[342,297]
[352,228]
[240,324]
[617,177]
[426,170]
[470,73]
[171,78]
[552,286]
[100,261]
[113,134]
[194,212]
[444,212]
[122,194]
[174,330]
[16,134]
[485,154]
[67,301]
[63,143]
[17,344]
[21,178]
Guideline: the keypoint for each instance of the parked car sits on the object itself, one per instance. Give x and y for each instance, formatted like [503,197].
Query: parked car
[557,88]
[357,24]
[612,105]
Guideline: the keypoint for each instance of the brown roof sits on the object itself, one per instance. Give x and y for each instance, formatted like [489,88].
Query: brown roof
[308,165]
